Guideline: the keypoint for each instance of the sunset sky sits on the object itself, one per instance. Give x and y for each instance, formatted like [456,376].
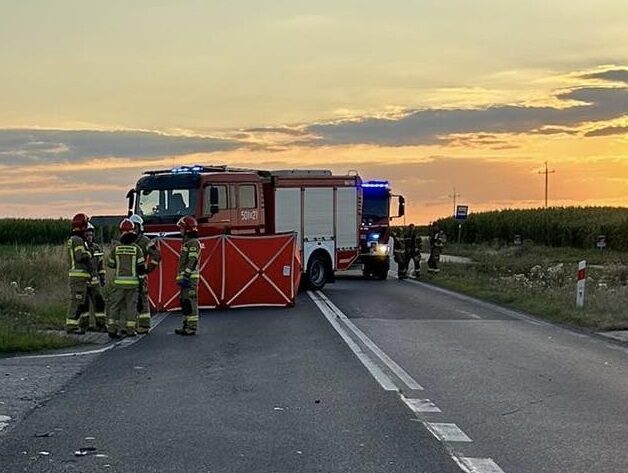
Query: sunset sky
[429,94]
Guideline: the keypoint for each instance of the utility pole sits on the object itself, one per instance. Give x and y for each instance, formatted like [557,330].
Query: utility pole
[455,196]
[547,172]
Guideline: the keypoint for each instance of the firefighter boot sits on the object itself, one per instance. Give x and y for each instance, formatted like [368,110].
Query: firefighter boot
[185,331]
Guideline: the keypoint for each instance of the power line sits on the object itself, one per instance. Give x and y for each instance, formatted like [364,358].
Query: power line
[547,172]
[455,196]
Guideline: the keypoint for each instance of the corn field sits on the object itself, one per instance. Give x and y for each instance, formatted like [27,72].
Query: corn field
[22,231]
[576,227]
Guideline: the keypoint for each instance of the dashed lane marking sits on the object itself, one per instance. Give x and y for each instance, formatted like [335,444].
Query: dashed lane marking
[390,363]
[382,378]
[420,405]
[477,465]
[446,432]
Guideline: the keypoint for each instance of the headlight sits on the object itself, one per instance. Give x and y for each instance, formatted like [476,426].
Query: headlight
[381,249]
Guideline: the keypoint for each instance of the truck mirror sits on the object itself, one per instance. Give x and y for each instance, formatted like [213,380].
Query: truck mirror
[402,206]
[131,199]
[213,200]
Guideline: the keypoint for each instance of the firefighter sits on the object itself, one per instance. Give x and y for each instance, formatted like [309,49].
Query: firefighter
[149,248]
[187,275]
[412,249]
[97,282]
[79,276]
[399,254]
[127,260]
[437,242]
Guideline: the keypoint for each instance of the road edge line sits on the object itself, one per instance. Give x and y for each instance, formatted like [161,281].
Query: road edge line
[402,374]
[382,378]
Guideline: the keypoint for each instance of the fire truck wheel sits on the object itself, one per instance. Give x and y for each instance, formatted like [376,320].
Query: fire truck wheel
[318,271]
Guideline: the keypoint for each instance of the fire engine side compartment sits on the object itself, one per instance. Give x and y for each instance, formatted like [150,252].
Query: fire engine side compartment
[324,215]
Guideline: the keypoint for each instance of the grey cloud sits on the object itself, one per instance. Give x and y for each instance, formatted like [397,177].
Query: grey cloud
[554,131]
[432,126]
[608,131]
[27,146]
[279,130]
[615,75]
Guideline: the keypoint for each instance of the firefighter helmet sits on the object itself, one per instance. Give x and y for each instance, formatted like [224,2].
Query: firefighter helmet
[90,227]
[137,220]
[79,222]
[126,226]
[187,224]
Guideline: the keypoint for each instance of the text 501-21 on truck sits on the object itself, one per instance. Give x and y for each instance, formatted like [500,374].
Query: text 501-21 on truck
[323,209]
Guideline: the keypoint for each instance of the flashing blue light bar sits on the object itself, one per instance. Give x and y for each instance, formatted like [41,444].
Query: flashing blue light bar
[376,184]
[373,237]
[187,169]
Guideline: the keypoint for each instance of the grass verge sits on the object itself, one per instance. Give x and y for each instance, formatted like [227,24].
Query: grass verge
[542,281]
[26,314]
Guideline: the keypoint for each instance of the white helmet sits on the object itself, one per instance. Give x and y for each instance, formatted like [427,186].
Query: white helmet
[90,227]
[137,220]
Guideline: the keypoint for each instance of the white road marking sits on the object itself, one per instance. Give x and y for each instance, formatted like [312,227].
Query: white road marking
[447,432]
[469,314]
[384,381]
[391,364]
[127,342]
[477,465]
[420,405]
[488,305]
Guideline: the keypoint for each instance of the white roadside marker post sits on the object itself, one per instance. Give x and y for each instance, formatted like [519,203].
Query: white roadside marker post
[582,277]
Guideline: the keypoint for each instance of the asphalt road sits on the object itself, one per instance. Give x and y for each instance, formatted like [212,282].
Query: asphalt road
[367,376]
[255,391]
[534,397]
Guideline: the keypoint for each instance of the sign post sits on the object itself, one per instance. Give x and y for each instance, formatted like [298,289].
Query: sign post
[582,277]
[462,212]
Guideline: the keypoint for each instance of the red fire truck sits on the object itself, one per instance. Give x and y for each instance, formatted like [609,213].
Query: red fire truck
[323,209]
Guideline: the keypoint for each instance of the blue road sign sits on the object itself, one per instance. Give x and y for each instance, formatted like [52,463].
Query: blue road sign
[462,212]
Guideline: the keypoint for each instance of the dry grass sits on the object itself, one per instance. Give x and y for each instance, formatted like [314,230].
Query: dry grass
[544,284]
[24,315]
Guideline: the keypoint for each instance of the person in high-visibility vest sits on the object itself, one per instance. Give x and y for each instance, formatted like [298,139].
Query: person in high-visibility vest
[79,276]
[188,275]
[412,248]
[437,242]
[153,257]
[97,281]
[400,254]
[127,260]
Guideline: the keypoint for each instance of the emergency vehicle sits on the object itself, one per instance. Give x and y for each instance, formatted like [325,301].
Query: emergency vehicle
[377,201]
[323,209]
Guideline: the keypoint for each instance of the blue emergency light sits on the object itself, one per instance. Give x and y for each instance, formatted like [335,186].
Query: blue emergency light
[187,169]
[376,184]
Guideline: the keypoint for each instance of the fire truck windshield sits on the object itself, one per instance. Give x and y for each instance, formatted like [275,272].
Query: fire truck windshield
[160,205]
[376,205]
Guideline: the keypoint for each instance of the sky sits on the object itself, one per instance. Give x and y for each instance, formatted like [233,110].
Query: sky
[430,94]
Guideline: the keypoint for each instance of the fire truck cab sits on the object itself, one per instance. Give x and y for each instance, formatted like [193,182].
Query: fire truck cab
[324,210]
[377,200]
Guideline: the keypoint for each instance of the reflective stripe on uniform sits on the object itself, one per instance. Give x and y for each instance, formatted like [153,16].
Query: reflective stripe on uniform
[79,273]
[130,324]
[72,322]
[126,282]
[191,318]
